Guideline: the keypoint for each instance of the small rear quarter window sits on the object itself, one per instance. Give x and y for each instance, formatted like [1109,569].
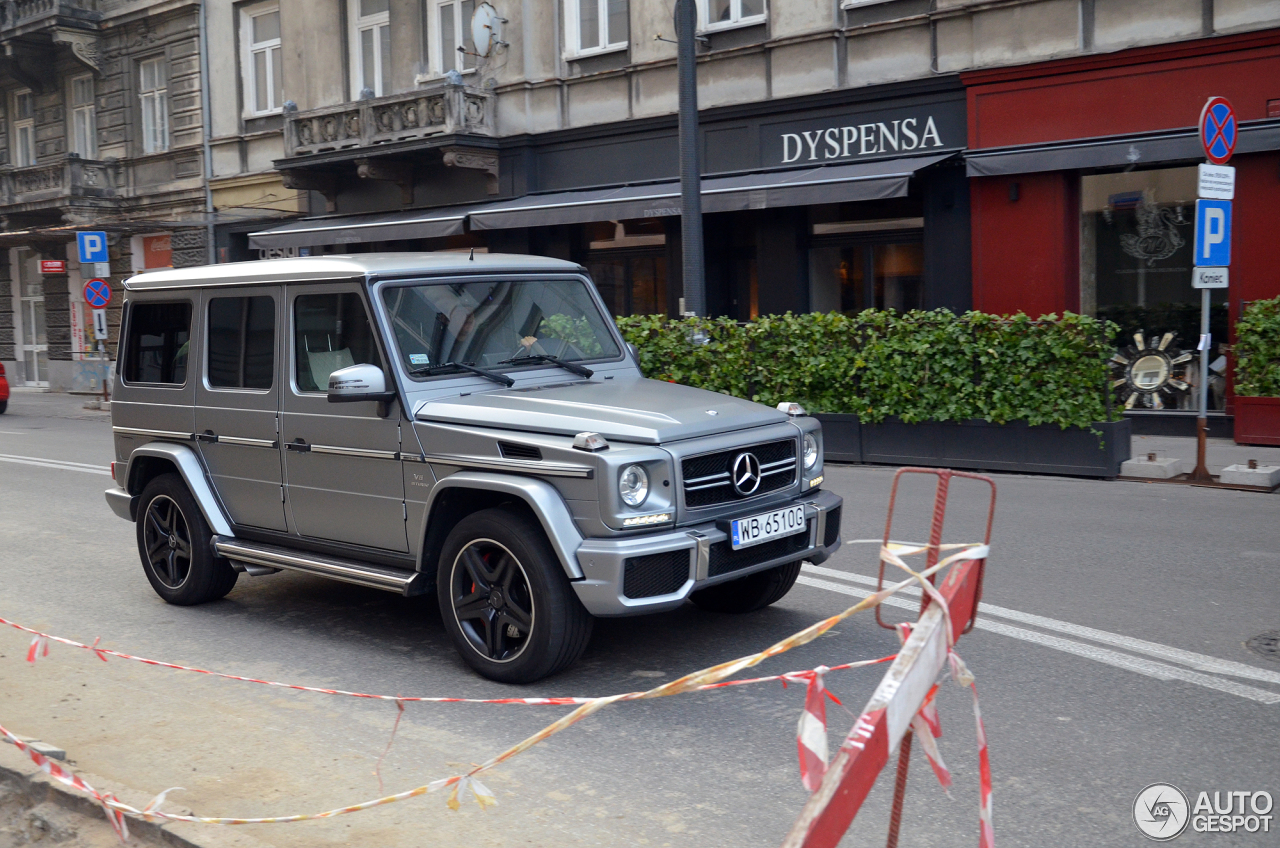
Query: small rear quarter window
[158,343]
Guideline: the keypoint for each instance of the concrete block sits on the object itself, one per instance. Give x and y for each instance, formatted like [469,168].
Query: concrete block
[51,751]
[1160,468]
[1243,475]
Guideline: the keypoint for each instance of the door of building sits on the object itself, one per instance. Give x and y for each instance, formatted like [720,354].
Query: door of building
[31,321]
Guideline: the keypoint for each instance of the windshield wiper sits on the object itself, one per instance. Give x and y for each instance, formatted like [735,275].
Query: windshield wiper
[572,367]
[445,367]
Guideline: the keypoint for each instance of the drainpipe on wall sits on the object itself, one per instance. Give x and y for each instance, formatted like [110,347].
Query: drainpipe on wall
[206,118]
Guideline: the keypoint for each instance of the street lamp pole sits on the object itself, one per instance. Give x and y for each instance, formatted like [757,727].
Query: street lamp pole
[694,276]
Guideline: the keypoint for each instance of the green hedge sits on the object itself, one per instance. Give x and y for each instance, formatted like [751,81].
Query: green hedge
[919,366]
[1257,349]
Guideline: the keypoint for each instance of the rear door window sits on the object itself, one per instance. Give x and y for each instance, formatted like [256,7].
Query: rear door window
[158,342]
[242,342]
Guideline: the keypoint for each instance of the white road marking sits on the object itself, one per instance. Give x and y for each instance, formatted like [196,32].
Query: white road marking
[12,433]
[55,463]
[1200,662]
[1159,671]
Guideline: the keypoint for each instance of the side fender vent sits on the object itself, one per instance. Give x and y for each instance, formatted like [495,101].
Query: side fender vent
[511,450]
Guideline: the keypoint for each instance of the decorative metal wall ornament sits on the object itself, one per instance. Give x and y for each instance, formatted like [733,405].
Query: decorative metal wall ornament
[1150,373]
[1157,236]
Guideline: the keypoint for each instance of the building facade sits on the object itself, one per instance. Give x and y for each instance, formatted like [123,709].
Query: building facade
[855,152]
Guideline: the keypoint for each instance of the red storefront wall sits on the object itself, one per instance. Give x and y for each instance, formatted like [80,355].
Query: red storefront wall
[1026,239]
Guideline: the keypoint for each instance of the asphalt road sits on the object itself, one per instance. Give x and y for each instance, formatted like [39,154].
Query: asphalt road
[1110,656]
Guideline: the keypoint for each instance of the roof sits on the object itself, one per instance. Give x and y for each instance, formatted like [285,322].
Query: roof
[311,269]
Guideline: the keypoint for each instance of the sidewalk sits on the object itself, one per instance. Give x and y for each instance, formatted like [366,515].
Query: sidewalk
[29,402]
[1219,453]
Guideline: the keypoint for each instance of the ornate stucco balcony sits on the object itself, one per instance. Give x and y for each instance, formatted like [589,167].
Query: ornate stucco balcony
[30,29]
[445,110]
[67,183]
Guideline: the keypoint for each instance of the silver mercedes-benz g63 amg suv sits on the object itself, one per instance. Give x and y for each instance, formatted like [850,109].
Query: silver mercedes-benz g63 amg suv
[473,425]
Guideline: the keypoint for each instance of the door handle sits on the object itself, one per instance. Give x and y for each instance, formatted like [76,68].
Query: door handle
[298,445]
[207,436]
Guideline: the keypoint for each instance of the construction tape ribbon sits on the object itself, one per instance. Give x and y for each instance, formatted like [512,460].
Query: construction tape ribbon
[708,678]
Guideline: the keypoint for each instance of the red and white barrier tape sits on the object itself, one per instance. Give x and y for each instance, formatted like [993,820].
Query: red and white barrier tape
[708,678]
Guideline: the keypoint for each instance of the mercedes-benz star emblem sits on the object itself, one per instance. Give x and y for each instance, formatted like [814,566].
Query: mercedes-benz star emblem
[746,474]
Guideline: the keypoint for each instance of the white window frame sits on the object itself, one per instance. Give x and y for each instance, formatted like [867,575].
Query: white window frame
[249,50]
[736,19]
[24,127]
[357,26]
[154,106]
[573,34]
[84,118]
[440,63]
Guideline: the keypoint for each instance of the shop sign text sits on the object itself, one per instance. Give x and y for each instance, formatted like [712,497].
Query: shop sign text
[852,141]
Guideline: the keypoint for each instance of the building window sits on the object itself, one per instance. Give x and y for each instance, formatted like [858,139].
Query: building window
[260,59]
[154,94]
[24,129]
[84,122]
[722,14]
[1137,234]
[595,26]
[370,46]
[455,50]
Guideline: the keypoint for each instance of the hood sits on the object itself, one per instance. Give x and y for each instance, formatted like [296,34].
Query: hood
[625,409]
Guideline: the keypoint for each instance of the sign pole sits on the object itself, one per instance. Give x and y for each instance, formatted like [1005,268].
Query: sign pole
[1201,473]
[1219,131]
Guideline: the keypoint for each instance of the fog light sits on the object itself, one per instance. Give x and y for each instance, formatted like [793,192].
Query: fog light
[646,520]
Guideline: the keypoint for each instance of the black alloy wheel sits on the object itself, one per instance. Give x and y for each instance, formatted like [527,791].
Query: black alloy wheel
[175,545]
[167,542]
[492,601]
[505,599]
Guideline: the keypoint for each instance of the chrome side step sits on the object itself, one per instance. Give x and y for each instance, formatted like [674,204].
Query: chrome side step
[255,556]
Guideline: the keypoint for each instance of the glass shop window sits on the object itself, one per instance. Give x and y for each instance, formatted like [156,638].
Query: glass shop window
[331,332]
[242,342]
[628,262]
[1137,231]
[852,276]
[158,342]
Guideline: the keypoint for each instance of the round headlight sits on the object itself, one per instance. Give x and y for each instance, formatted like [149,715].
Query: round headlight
[633,485]
[810,451]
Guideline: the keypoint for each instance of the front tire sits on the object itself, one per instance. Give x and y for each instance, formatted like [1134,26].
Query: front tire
[750,593]
[505,599]
[174,543]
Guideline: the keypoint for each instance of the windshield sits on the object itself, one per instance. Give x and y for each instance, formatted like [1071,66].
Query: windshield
[487,323]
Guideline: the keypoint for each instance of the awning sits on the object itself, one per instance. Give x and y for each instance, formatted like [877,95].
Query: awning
[827,184]
[1114,152]
[348,229]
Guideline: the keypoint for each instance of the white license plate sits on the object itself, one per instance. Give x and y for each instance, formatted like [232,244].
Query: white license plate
[746,532]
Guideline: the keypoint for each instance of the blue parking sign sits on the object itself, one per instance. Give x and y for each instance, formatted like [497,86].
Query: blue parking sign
[93,247]
[1213,233]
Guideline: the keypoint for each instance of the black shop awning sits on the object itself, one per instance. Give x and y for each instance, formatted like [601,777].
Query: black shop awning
[801,187]
[349,229]
[1114,151]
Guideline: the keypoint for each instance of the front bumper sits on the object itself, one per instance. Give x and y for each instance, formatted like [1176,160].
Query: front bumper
[606,587]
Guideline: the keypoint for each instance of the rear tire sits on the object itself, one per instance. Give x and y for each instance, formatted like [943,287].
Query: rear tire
[505,599]
[174,543]
[750,593]
[4,404]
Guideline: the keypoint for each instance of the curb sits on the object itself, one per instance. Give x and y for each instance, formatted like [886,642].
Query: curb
[20,774]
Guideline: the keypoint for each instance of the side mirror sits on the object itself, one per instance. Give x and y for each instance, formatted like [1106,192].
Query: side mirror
[357,383]
[635,352]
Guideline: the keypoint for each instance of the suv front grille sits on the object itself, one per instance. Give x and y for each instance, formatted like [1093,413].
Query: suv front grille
[724,559]
[655,574]
[706,477]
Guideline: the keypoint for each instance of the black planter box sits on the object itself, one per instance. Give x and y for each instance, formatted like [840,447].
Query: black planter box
[980,445]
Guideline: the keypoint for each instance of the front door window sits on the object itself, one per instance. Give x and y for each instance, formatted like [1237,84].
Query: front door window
[871,274]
